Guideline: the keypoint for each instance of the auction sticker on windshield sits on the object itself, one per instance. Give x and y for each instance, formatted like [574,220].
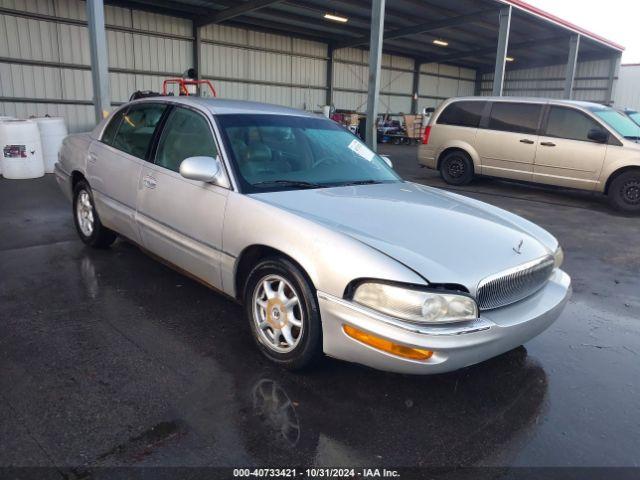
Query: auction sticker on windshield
[361,150]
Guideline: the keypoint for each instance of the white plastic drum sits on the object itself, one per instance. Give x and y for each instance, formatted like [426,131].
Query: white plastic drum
[3,119]
[52,132]
[21,149]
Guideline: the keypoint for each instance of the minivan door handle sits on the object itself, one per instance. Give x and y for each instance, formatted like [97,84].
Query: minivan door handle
[527,141]
[548,144]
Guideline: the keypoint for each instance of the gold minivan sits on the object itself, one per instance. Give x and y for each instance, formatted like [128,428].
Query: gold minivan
[557,142]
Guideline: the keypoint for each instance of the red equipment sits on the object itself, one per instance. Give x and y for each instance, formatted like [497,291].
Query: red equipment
[184,82]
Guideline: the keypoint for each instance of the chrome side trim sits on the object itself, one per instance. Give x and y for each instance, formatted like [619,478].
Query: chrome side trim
[449,329]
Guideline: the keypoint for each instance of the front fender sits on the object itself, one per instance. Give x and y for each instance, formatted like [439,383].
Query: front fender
[331,259]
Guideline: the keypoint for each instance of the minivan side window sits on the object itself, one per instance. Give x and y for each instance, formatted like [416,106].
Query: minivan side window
[570,124]
[186,134]
[515,117]
[462,114]
[137,128]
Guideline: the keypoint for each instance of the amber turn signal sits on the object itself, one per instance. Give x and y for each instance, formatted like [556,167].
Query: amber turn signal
[387,345]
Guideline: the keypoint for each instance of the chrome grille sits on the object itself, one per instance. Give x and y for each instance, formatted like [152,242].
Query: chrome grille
[515,284]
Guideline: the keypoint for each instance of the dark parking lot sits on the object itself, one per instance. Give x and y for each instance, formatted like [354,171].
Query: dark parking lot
[109,358]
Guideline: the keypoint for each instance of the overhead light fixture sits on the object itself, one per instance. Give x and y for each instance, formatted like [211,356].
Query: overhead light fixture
[336,18]
[441,43]
[509,59]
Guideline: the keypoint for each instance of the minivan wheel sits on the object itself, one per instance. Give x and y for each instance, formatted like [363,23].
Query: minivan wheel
[456,168]
[88,225]
[624,192]
[283,314]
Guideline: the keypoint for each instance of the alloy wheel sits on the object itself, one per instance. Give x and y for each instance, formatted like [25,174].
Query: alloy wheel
[84,213]
[277,314]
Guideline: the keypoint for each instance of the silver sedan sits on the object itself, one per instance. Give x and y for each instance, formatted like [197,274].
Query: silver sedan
[327,248]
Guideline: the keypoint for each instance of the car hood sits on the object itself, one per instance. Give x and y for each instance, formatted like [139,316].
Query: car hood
[444,237]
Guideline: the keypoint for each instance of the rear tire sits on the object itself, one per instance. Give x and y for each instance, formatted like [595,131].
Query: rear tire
[456,168]
[624,192]
[283,313]
[88,225]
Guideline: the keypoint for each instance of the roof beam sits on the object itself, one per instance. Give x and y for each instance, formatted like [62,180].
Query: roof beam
[492,50]
[232,12]
[421,28]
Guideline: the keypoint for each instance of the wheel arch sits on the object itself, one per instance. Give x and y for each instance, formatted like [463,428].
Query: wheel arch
[76,176]
[460,147]
[617,173]
[250,257]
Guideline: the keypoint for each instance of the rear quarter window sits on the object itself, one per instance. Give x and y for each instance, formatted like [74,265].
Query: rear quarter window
[462,114]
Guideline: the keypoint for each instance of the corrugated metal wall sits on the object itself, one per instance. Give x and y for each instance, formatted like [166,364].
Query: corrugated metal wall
[627,91]
[45,60]
[45,64]
[590,82]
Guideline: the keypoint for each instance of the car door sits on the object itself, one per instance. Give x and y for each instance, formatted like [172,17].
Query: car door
[115,164]
[565,155]
[506,141]
[179,219]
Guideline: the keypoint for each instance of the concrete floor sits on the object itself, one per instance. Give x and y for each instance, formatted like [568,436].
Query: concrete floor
[110,358]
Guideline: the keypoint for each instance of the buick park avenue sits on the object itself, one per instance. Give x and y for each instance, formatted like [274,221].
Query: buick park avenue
[565,143]
[328,249]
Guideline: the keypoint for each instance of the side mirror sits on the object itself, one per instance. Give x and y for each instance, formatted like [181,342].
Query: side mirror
[598,135]
[203,169]
[387,160]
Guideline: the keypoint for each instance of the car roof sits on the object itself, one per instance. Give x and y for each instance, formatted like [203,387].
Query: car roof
[554,101]
[223,106]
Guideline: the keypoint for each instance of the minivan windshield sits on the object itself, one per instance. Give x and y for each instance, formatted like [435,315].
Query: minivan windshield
[285,152]
[618,121]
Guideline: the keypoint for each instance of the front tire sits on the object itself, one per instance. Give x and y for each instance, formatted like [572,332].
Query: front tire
[88,225]
[624,192]
[283,313]
[456,168]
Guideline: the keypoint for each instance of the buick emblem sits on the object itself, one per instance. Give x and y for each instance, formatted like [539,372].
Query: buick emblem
[518,249]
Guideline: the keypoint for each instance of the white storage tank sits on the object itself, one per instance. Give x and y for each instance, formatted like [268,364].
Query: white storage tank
[21,149]
[2,119]
[52,132]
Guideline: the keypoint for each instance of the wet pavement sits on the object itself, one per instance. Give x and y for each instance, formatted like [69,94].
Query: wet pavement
[109,358]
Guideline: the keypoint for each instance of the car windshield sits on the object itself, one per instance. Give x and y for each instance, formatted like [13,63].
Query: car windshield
[619,122]
[284,152]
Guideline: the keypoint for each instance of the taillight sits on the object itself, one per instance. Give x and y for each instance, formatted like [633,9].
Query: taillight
[425,137]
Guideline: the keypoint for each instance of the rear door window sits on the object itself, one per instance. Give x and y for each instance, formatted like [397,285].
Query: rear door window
[137,129]
[109,133]
[462,114]
[515,117]
[570,124]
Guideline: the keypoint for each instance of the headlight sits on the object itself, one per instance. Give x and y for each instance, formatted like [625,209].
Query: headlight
[416,305]
[558,258]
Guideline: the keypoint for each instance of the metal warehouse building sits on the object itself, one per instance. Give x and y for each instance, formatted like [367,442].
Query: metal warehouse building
[299,53]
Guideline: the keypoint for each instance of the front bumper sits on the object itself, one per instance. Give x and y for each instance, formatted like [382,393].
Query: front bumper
[455,346]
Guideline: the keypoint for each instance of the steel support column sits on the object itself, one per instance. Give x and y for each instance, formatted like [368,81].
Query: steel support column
[375,61]
[477,87]
[614,72]
[197,50]
[416,87]
[99,58]
[572,62]
[329,81]
[501,55]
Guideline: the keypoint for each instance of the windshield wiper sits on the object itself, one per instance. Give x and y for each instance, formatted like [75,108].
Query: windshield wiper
[631,137]
[360,182]
[289,183]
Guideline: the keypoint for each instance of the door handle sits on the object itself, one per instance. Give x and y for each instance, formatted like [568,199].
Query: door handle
[149,182]
[527,141]
[548,144]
